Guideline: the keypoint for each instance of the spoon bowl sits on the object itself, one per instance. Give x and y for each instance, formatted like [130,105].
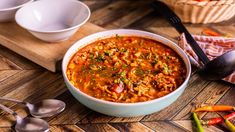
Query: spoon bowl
[220,67]
[27,124]
[46,108]
[31,125]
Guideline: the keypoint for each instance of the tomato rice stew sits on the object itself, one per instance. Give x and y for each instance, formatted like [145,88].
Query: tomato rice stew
[126,69]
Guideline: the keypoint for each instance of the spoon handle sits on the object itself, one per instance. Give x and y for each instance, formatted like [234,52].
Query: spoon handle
[4,108]
[13,100]
[175,21]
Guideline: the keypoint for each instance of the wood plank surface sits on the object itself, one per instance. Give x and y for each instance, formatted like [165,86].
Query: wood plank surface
[22,79]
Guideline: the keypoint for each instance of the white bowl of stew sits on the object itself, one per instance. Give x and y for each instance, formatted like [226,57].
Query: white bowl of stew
[125,72]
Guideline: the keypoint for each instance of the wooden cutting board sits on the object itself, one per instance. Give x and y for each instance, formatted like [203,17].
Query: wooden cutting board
[47,55]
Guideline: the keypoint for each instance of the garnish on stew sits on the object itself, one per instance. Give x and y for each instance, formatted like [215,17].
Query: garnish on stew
[126,69]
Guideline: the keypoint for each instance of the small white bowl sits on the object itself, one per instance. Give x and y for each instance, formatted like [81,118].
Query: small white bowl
[124,109]
[8,9]
[53,20]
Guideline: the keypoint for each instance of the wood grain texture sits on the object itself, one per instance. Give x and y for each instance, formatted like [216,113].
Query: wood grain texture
[97,127]
[164,126]
[8,65]
[131,127]
[4,74]
[65,128]
[25,80]
[20,61]
[45,54]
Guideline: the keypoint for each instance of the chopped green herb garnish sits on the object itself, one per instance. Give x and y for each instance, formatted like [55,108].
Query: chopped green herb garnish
[108,52]
[166,69]
[104,68]
[91,56]
[100,67]
[154,62]
[118,37]
[114,69]
[124,65]
[100,59]
[139,72]
[155,72]
[93,79]
[123,49]
[123,73]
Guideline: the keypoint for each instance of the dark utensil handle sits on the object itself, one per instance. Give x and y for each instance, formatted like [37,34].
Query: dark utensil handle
[197,49]
[175,21]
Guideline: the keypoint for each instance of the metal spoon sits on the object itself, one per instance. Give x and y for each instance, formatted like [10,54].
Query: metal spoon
[45,108]
[27,124]
[212,70]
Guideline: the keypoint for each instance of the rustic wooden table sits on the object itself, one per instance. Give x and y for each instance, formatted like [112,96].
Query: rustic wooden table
[22,79]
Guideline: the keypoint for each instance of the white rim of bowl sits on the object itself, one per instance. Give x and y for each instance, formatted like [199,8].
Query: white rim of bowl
[15,7]
[62,30]
[137,103]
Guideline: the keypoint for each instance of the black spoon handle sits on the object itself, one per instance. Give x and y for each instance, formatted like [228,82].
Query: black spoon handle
[175,21]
